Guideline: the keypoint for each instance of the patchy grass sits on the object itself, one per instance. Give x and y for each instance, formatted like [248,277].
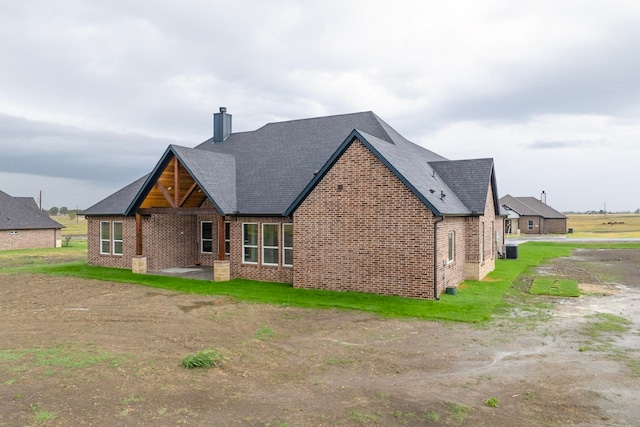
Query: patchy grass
[492,402]
[15,260]
[555,287]
[41,416]
[459,412]
[265,333]
[68,356]
[602,325]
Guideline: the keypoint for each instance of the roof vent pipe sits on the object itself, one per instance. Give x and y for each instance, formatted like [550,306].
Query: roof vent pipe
[221,125]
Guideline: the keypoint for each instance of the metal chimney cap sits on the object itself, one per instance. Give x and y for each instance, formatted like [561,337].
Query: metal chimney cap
[223,109]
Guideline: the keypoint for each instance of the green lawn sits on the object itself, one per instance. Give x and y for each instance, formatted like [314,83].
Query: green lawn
[555,287]
[474,302]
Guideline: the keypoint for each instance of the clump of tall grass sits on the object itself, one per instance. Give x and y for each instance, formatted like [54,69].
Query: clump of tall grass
[203,359]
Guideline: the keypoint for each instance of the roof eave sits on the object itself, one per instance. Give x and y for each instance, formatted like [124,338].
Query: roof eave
[168,155]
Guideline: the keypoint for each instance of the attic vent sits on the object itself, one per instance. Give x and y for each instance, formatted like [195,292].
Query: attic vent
[431,190]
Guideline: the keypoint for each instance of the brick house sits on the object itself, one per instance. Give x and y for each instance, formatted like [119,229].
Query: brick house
[341,202]
[528,215]
[24,226]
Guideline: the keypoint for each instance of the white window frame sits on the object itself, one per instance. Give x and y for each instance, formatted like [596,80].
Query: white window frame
[287,248]
[114,240]
[530,225]
[103,239]
[227,238]
[271,247]
[245,246]
[202,239]
[451,247]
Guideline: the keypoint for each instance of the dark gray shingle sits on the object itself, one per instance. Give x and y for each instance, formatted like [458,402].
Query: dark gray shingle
[16,213]
[266,171]
[530,206]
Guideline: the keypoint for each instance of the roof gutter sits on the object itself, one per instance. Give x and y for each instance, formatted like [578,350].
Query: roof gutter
[435,257]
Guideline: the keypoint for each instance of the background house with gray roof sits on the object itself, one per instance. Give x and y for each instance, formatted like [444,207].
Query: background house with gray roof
[24,226]
[340,202]
[528,215]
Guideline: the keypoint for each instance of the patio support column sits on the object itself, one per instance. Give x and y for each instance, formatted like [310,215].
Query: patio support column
[138,234]
[221,246]
[221,266]
[139,262]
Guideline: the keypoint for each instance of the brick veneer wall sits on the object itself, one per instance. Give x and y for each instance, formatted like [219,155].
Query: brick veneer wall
[455,270]
[167,241]
[523,224]
[174,241]
[94,257]
[30,239]
[258,271]
[170,241]
[555,225]
[361,229]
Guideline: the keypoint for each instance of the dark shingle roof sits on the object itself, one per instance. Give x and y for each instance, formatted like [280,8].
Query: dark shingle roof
[530,206]
[469,180]
[29,201]
[269,170]
[118,202]
[18,213]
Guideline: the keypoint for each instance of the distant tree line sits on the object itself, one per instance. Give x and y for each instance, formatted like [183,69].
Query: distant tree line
[54,211]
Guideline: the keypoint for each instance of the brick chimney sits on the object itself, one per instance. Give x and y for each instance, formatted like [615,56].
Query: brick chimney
[221,125]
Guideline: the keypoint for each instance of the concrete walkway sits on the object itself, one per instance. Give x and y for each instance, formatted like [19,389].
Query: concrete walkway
[194,272]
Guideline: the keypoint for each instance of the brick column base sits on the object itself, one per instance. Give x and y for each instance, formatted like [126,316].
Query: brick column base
[139,264]
[221,271]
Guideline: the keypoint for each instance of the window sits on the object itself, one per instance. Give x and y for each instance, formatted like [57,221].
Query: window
[117,238]
[250,243]
[287,245]
[206,237]
[105,237]
[530,224]
[452,246]
[270,244]
[227,238]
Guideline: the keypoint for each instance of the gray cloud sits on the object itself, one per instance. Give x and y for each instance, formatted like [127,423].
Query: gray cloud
[53,150]
[93,92]
[555,145]
[596,79]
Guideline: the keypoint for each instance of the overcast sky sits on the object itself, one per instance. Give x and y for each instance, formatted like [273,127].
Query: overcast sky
[92,93]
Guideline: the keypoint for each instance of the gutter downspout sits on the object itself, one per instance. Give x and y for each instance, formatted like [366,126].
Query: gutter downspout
[435,257]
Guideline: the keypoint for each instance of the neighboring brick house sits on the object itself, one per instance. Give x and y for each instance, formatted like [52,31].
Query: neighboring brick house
[528,215]
[340,202]
[24,226]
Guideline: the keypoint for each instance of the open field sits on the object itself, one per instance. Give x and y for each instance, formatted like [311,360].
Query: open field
[76,227]
[611,226]
[78,351]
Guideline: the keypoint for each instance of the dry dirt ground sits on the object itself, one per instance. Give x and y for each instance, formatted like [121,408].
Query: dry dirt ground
[78,352]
